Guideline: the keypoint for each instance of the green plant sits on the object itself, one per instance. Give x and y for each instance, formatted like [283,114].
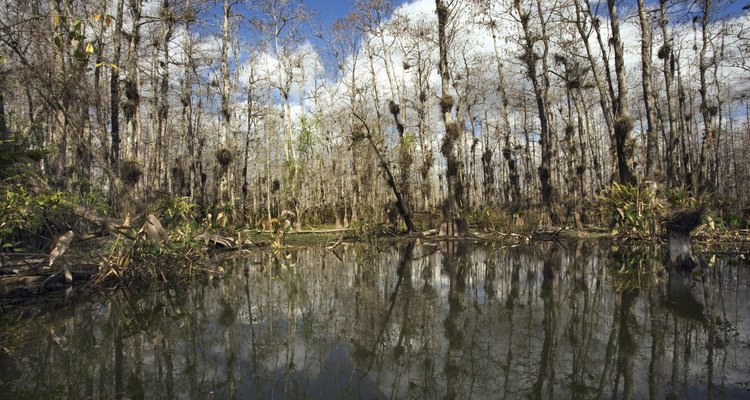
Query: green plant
[27,217]
[15,157]
[94,200]
[631,209]
[715,222]
[175,212]
[367,228]
[681,198]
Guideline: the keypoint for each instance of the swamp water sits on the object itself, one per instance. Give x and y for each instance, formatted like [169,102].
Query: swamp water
[451,320]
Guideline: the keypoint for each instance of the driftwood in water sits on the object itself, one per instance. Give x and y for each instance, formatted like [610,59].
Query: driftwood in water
[679,251]
[21,285]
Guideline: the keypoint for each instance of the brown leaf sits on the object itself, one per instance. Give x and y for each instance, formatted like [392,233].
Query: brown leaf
[153,230]
[216,240]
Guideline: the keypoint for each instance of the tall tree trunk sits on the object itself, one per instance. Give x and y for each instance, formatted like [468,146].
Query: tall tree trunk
[114,89]
[355,159]
[425,138]
[624,145]
[98,122]
[161,170]
[585,33]
[187,105]
[652,119]
[131,108]
[401,200]
[453,224]
[707,109]
[596,24]
[248,136]
[513,175]
[4,133]
[59,120]
[401,205]
[404,152]
[685,115]
[226,142]
[540,90]
[283,84]
[718,110]
[666,54]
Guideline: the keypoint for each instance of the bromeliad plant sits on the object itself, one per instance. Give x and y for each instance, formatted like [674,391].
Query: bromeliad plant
[631,210]
[177,213]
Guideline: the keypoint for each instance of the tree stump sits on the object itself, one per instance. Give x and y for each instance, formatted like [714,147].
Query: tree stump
[679,224]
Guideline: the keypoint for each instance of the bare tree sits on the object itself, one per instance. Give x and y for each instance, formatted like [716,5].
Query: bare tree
[624,144]
[453,223]
[114,87]
[708,110]
[540,84]
[226,154]
[666,54]
[284,22]
[652,118]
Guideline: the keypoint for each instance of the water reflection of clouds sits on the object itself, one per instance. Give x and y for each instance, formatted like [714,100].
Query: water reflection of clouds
[485,323]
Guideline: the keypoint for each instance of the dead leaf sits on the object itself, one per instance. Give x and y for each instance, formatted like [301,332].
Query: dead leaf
[216,240]
[153,230]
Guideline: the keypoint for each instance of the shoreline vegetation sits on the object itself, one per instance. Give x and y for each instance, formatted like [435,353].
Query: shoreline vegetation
[58,242]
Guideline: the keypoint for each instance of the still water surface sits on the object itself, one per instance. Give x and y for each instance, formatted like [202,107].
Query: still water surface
[426,321]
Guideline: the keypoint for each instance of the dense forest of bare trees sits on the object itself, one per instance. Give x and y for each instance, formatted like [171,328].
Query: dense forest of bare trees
[442,109]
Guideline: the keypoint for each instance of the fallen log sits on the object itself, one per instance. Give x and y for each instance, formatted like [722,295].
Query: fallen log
[334,230]
[36,283]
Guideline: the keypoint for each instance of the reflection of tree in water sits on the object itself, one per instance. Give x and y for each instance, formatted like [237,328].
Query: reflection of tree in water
[583,298]
[549,323]
[454,265]
[510,304]
[405,321]
[628,342]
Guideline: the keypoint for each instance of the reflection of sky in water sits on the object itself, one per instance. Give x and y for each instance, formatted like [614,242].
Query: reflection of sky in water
[487,322]
[336,378]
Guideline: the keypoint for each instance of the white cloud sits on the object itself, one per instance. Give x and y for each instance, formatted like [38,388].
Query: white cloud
[473,42]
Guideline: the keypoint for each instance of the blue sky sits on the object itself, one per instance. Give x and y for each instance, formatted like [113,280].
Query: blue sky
[328,11]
